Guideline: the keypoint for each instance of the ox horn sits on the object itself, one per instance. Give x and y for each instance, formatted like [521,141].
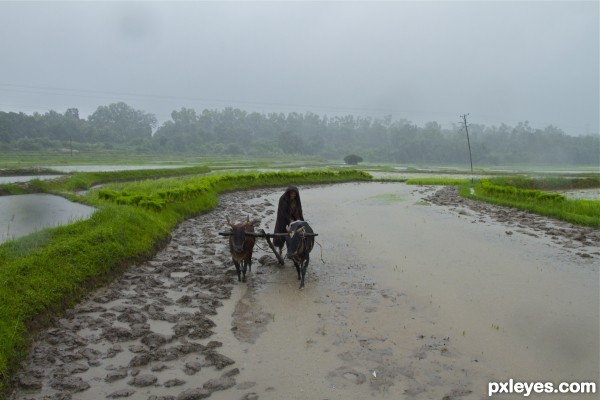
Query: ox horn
[303,232]
[290,231]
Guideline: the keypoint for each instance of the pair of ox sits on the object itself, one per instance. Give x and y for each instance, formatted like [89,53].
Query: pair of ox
[299,241]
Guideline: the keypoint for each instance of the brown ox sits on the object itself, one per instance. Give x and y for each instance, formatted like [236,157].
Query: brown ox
[241,246]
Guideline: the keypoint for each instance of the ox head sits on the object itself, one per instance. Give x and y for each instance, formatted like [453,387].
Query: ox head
[239,233]
[299,240]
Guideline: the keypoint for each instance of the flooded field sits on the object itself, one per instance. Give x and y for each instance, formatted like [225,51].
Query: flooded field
[404,299]
[23,214]
[588,194]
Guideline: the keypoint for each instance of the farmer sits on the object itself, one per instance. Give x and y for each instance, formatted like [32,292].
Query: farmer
[288,211]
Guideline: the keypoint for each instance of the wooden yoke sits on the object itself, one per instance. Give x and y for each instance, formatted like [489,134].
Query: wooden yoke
[268,236]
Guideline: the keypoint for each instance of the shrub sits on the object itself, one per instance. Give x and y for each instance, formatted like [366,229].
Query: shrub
[352,159]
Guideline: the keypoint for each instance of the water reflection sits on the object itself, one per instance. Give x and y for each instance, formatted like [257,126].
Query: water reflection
[24,214]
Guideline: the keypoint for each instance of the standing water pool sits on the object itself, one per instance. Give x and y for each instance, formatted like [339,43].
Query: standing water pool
[23,214]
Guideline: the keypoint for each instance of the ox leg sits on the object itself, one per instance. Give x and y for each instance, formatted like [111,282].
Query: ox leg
[297,265]
[304,266]
[237,268]
[244,264]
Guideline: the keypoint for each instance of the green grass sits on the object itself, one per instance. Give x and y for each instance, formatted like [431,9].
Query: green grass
[538,195]
[531,194]
[547,182]
[7,189]
[436,181]
[515,192]
[28,171]
[43,273]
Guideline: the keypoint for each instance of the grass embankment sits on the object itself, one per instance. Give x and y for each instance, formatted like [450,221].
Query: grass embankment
[532,195]
[45,272]
[437,181]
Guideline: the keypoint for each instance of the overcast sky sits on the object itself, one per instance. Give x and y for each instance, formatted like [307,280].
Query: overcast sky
[501,62]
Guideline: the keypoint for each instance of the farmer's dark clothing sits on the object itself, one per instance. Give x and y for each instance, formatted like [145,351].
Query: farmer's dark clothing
[288,211]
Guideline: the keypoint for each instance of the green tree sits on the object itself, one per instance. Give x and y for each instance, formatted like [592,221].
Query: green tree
[352,159]
[121,123]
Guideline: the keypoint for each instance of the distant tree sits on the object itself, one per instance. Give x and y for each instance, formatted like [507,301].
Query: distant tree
[352,159]
[119,122]
[72,113]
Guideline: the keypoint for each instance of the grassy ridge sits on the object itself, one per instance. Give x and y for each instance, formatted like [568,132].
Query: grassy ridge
[548,182]
[157,195]
[436,181]
[85,180]
[530,194]
[517,193]
[44,272]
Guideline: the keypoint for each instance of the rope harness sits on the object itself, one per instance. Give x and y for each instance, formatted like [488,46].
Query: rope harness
[296,256]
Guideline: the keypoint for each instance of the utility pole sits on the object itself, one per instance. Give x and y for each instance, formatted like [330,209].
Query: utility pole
[464,120]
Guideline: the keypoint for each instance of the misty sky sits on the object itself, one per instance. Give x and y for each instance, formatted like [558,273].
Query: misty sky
[501,62]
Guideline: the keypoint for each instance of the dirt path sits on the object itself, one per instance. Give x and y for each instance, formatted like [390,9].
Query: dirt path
[401,312]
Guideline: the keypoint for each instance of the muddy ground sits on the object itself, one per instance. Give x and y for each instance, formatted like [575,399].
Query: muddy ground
[583,240]
[181,327]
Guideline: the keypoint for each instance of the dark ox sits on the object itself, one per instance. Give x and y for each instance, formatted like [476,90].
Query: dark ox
[241,246]
[299,242]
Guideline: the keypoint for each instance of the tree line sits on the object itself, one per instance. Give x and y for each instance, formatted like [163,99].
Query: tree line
[232,131]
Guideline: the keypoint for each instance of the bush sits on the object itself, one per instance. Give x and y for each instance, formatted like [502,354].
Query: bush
[352,159]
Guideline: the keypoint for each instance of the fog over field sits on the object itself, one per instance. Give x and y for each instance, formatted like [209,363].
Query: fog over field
[501,62]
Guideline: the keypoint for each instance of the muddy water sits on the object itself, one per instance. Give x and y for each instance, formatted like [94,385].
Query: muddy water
[417,301]
[23,214]
[406,300]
